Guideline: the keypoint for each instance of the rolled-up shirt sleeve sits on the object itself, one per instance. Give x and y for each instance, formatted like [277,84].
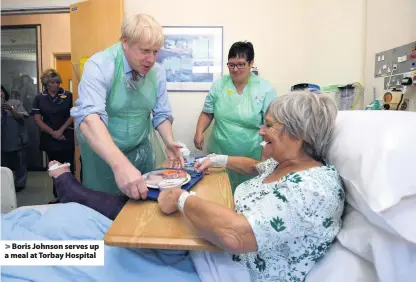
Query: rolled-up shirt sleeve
[162,110]
[93,89]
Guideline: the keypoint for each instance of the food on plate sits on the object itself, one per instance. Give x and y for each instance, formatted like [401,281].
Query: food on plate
[170,184]
[161,175]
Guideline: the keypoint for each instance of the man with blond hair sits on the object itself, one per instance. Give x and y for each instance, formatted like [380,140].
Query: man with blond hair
[122,100]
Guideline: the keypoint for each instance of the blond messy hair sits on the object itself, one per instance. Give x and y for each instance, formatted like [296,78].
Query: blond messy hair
[142,28]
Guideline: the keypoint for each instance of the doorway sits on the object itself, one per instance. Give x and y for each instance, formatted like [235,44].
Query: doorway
[20,68]
[64,67]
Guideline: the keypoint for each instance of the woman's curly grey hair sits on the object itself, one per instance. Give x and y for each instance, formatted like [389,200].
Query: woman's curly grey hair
[48,75]
[309,117]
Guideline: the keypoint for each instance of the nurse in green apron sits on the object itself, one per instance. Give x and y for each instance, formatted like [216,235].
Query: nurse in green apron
[122,101]
[238,103]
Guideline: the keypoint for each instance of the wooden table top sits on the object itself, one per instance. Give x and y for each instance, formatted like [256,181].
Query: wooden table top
[141,224]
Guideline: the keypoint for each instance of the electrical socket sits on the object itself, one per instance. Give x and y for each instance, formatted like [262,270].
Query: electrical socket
[402,59]
[394,66]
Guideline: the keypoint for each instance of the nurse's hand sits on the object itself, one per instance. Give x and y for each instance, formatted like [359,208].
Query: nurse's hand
[130,181]
[199,141]
[58,135]
[174,155]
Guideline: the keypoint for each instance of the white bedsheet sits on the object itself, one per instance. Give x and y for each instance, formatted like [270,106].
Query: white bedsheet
[218,267]
[342,265]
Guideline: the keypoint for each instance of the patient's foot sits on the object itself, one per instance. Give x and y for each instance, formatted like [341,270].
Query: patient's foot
[57,172]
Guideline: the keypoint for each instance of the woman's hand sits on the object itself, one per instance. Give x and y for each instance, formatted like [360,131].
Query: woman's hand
[199,141]
[203,164]
[168,200]
[211,160]
[58,134]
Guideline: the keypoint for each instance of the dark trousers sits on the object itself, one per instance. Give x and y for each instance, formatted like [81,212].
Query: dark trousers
[69,190]
[16,161]
[62,156]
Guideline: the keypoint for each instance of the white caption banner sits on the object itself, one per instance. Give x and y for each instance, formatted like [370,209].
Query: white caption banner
[52,253]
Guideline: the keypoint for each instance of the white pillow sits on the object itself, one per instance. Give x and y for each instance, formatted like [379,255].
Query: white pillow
[341,265]
[8,192]
[393,257]
[375,154]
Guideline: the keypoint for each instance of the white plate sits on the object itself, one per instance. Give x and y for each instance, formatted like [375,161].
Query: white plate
[188,178]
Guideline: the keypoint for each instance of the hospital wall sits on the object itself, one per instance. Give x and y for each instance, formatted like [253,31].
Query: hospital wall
[389,24]
[320,41]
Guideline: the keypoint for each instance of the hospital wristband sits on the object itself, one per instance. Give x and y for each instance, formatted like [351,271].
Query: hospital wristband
[182,199]
[216,160]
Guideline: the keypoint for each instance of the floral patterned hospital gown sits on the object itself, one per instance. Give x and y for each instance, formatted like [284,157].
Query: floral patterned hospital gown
[294,220]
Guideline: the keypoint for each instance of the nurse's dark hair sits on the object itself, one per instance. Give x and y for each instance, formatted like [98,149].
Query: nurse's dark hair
[48,74]
[6,94]
[242,49]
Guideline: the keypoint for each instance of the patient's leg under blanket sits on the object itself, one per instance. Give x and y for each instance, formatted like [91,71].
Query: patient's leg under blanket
[70,190]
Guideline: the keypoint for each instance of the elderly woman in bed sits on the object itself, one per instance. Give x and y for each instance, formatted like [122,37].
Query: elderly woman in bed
[286,217]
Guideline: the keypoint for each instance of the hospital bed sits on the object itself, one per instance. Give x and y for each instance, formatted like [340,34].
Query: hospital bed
[374,154]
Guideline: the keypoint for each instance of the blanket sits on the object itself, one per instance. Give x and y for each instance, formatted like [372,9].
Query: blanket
[76,222]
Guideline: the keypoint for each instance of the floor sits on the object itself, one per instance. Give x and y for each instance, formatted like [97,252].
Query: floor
[38,190]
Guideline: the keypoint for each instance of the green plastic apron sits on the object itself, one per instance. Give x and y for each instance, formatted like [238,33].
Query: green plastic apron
[129,106]
[238,119]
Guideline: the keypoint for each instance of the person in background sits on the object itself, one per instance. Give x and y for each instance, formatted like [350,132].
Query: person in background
[51,110]
[122,101]
[238,103]
[14,138]
[28,91]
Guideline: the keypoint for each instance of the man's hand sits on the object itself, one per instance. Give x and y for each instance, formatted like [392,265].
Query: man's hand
[174,155]
[168,200]
[130,181]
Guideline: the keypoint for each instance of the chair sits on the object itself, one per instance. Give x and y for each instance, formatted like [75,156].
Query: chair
[8,192]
